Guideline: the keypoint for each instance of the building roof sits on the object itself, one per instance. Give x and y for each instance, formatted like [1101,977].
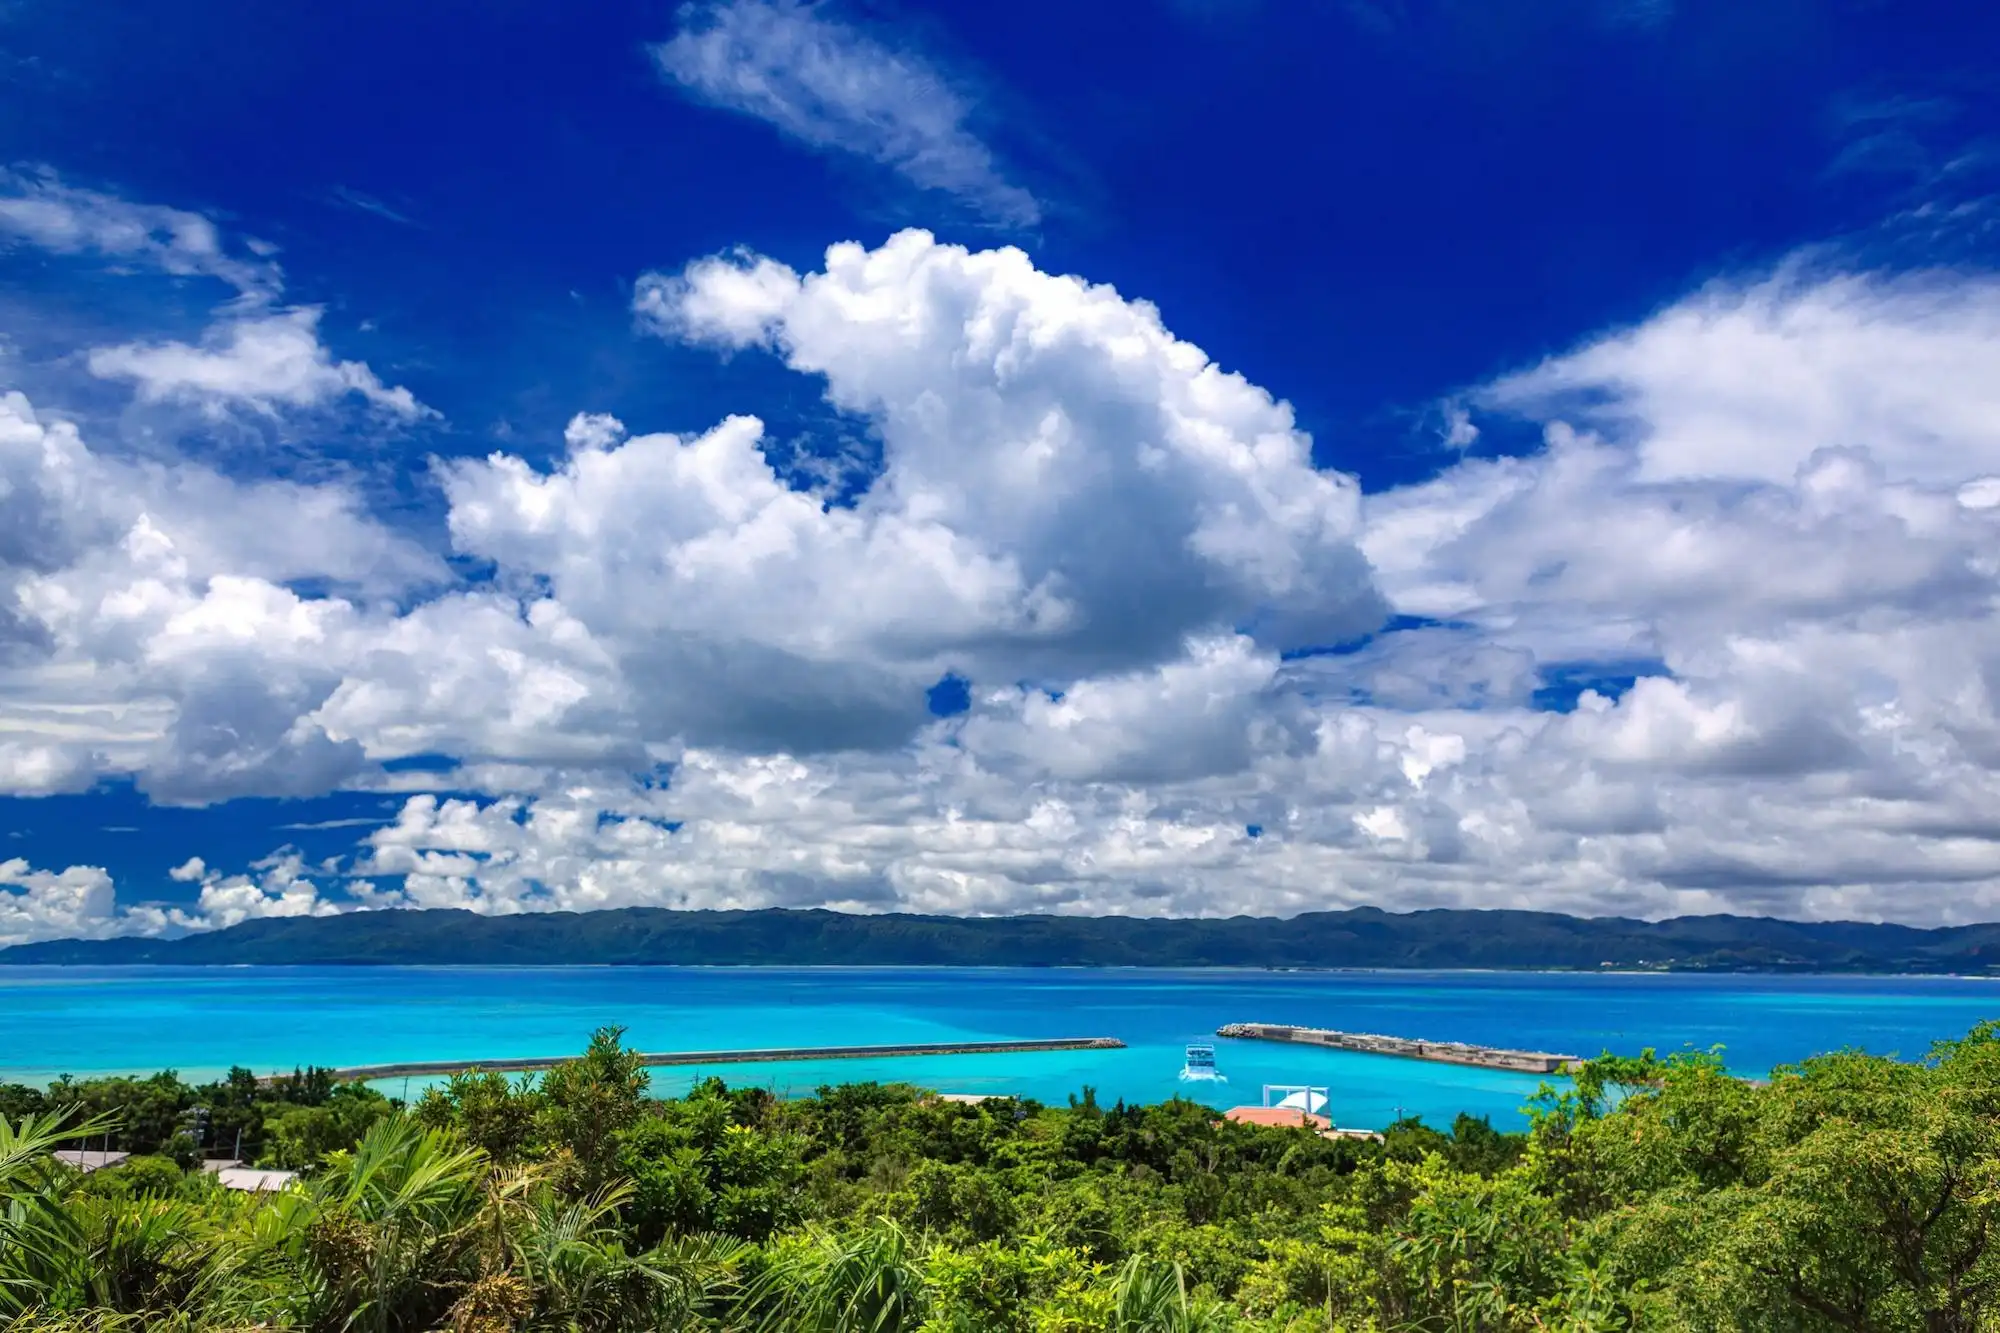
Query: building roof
[1284,1117]
[88,1159]
[252,1181]
[1370,1135]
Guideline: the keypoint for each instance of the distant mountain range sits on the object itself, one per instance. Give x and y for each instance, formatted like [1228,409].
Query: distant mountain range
[1361,937]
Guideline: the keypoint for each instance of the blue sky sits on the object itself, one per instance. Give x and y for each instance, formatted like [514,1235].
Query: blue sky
[1596,520]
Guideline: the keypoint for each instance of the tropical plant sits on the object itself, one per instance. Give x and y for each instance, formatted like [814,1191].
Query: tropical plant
[572,1258]
[870,1282]
[387,1237]
[1664,1195]
[1152,1297]
[41,1242]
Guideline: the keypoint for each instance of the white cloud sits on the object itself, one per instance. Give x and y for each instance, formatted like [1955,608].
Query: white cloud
[1751,379]
[1824,745]
[836,89]
[78,902]
[280,888]
[1789,517]
[1067,490]
[65,506]
[348,197]
[1141,491]
[45,768]
[762,832]
[1070,493]
[38,208]
[81,902]
[254,354]
[1128,554]
[1200,715]
[263,361]
[728,300]
[145,625]
[1577,548]
[477,674]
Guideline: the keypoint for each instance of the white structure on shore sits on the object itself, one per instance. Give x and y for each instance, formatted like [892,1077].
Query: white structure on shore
[87,1160]
[1296,1097]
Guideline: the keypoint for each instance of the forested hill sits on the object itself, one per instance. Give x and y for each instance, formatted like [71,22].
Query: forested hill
[1361,937]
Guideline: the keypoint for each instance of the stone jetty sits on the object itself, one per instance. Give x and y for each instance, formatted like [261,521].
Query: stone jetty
[440,1068]
[1368,1043]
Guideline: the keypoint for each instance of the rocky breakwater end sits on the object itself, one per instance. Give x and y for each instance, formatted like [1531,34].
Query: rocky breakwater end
[1409,1048]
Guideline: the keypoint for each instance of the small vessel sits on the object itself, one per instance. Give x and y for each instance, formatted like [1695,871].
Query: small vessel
[1200,1066]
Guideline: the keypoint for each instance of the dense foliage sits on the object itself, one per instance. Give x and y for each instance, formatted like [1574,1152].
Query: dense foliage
[287,1122]
[1357,937]
[1851,1192]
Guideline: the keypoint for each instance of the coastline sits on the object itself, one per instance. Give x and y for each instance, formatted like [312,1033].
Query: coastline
[1361,938]
[8,967]
[128,1019]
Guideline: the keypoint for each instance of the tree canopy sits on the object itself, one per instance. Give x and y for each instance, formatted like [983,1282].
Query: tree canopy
[1849,1192]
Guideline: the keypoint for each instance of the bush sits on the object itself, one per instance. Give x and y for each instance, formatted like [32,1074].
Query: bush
[143,1177]
[1850,1192]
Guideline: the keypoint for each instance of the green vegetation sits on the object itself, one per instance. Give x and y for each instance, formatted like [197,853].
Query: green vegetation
[1357,937]
[288,1122]
[1850,1193]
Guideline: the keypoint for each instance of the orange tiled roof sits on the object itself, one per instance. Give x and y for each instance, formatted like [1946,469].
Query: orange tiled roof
[1276,1116]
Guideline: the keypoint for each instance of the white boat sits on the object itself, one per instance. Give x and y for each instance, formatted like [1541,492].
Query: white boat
[1200,1066]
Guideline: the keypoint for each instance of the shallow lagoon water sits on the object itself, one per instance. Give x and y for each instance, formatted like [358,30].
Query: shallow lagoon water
[201,1020]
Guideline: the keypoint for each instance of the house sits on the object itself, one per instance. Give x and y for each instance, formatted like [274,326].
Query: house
[252,1181]
[88,1159]
[1277,1117]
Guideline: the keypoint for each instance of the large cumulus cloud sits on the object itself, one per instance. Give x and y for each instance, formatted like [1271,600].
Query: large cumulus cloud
[1067,492]
[1723,641]
[150,625]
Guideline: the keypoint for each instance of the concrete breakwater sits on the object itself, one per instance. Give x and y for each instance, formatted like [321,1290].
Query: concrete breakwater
[440,1068]
[1368,1043]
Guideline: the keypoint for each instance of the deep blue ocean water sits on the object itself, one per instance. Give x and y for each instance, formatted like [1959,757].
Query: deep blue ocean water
[201,1020]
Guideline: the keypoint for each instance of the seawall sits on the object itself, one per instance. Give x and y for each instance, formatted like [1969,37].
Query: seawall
[1368,1043]
[438,1068]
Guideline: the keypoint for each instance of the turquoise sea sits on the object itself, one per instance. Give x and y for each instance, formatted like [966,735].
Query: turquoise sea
[201,1020]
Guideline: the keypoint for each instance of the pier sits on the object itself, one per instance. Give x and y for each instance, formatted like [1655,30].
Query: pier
[1409,1048]
[441,1068]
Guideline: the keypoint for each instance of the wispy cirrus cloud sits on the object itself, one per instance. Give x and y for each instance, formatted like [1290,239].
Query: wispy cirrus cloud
[348,197]
[256,353]
[836,89]
[37,207]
